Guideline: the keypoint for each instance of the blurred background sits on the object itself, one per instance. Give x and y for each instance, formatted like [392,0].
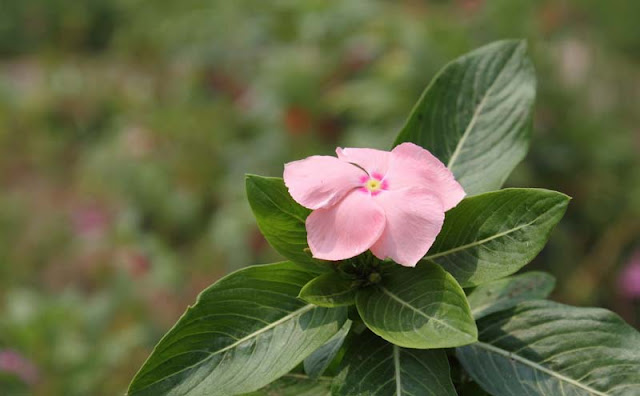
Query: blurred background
[126,127]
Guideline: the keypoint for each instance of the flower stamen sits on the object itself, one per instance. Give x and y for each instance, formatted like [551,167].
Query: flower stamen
[374,184]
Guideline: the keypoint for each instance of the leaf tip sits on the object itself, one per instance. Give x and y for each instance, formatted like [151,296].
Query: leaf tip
[474,332]
[522,43]
[249,177]
[565,198]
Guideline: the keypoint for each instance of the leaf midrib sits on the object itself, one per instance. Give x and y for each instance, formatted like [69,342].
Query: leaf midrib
[329,295]
[406,304]
[480,242]
[476,114]
[536,366]
[270,326]
[396,366]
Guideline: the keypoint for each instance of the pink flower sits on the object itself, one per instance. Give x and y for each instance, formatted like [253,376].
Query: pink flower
[390,202]
[629,278]
[14,363]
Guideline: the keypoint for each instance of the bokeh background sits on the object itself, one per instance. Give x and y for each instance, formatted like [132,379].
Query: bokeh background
[126,127]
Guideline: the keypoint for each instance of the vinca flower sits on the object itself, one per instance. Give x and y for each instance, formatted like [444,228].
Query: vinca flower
[392,203]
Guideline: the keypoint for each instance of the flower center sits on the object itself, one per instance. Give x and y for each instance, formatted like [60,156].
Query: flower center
[373,185]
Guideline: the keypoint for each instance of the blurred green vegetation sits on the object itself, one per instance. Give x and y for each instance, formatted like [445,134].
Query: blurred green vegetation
[126,128]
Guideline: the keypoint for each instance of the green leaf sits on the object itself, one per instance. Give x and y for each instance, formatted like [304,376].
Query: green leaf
[505,293]
[280,219]
[475,116]
[493,235]
[295,385]
[372,366]
[245,331]
[316,363]
[471,389]
[329,290]
[546,348]
[421,307]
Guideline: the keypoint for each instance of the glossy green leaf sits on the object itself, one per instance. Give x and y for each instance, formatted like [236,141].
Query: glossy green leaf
[295,385]
[329,290]
[493,235]
[316,363]
[505,293]
[475,116]
[280,219]
[545,348]
[421,307]
[373,366]
[245,331]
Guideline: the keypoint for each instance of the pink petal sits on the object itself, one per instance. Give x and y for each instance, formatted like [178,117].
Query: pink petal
[346,229]
[414,219]
[411,165]
[321,181]
[375,162]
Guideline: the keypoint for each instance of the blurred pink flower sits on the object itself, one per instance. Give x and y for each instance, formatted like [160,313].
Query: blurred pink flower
[89,221]
[13,362]
[390,202]
[629,278]
[135,262]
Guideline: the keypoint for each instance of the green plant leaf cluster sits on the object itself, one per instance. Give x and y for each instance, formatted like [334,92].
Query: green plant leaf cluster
[422,307]
[492,235]
[244,332]
[283,328]
[546,348]
[475,115]
[375,367]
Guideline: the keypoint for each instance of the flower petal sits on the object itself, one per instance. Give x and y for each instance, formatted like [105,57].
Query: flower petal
[346,229]
[414,218]
[321,181]
[375,162]
[411,165]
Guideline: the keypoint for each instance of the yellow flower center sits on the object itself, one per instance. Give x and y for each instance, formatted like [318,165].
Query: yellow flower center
[373,185]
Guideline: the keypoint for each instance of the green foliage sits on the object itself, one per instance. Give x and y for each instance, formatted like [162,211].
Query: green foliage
[372,366]
[319,361]
[545,348]
[244,320]
[422,307]
[295,385]
[285,313]
[493,235]
[329,290]
[280,218]
[475,116]
[503,294]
